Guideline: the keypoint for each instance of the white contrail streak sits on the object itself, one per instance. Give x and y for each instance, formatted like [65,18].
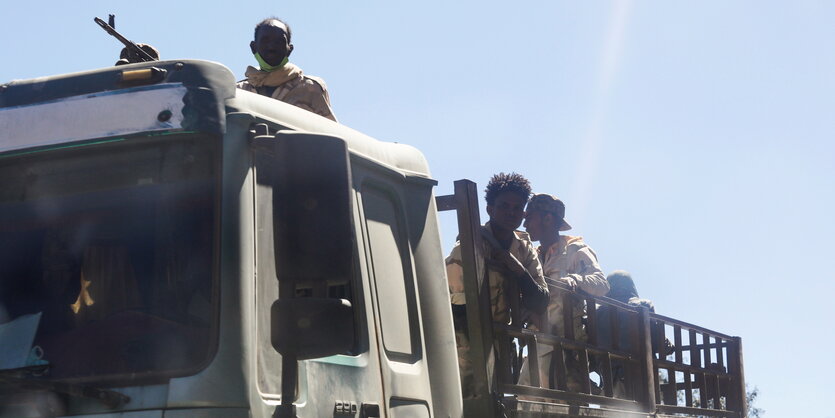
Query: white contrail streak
[609,67]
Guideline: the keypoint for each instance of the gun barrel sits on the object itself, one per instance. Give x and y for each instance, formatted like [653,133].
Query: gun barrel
[128,44]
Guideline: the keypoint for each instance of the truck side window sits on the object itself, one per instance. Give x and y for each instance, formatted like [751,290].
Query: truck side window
[392,271]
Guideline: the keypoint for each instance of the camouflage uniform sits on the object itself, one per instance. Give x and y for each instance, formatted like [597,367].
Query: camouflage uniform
[523,250]
[569,257]
[290,85]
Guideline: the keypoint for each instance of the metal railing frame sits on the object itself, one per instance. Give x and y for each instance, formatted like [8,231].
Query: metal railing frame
[713,376]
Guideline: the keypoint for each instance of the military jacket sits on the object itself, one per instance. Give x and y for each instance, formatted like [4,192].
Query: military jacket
[290,85]
[521,248]
[571,257]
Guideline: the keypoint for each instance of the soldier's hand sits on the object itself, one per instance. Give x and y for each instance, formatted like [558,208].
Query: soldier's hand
[568,281]
[508,261]
[641,302]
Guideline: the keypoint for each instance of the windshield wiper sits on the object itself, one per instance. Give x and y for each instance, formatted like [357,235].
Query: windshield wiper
[29,377]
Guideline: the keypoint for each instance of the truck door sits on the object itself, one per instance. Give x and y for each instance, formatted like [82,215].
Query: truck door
[389,267]
[342,385]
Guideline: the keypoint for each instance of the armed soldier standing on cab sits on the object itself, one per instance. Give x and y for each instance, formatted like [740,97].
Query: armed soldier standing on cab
[277,77]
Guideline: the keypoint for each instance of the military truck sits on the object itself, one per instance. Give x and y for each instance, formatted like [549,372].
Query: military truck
[171,246]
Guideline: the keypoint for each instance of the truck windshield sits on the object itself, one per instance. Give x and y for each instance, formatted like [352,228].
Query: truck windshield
[114,244]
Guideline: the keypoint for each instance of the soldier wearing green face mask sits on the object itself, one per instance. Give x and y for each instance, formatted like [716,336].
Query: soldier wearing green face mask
[277,77]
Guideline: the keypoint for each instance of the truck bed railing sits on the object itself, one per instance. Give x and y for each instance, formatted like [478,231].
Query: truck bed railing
[705,371]
[700,375]
[620,353]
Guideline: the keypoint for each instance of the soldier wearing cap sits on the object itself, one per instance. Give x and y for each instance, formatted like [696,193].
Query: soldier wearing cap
[569,261]
[280,79]
[509,257]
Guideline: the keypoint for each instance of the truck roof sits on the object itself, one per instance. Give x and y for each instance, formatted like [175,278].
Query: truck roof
[207,90]
[400,156]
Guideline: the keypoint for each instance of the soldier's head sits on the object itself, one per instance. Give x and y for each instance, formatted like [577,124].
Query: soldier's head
[129,57]
[506,196]
[545,217]
[272,43]
[621,286]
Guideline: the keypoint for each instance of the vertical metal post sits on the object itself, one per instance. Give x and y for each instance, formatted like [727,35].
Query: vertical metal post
[591,316]
[695,356]
[706,354]
[668,393]
[607,379]
[646,357]
[688,388]
[677,342]
[737,386]
[568,315]
[706,364]
[477,295]
[614,327]
[533,362]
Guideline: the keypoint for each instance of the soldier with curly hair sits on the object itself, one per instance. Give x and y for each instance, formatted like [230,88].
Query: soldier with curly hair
[510,259]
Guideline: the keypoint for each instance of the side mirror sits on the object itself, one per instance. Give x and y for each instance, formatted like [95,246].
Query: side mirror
[311,203]
[313,240]
[306,328]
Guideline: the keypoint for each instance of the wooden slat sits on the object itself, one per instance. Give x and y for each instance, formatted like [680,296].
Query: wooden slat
[584,369]
[531,409]
[558,377]
[688,389]
[658,331]
[606,378]
[717,391]
[677,342]
[738,400]
[721,350]
[505,360]
[695,358]
[673,321]
[591,320]
[669,390]
[568,315]
[511,288]
[667,409]
[706,351]
[614,321]
[711,392]
[548,339]
[706,346]
[571,397]
[533,362]
[445,202]
[633,379]
[703,395]
[692,369]
[649,374]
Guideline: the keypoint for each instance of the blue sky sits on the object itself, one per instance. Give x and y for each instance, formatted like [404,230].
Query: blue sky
[691,141]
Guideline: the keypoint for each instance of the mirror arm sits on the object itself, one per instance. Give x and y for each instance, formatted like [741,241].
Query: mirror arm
[289,377]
